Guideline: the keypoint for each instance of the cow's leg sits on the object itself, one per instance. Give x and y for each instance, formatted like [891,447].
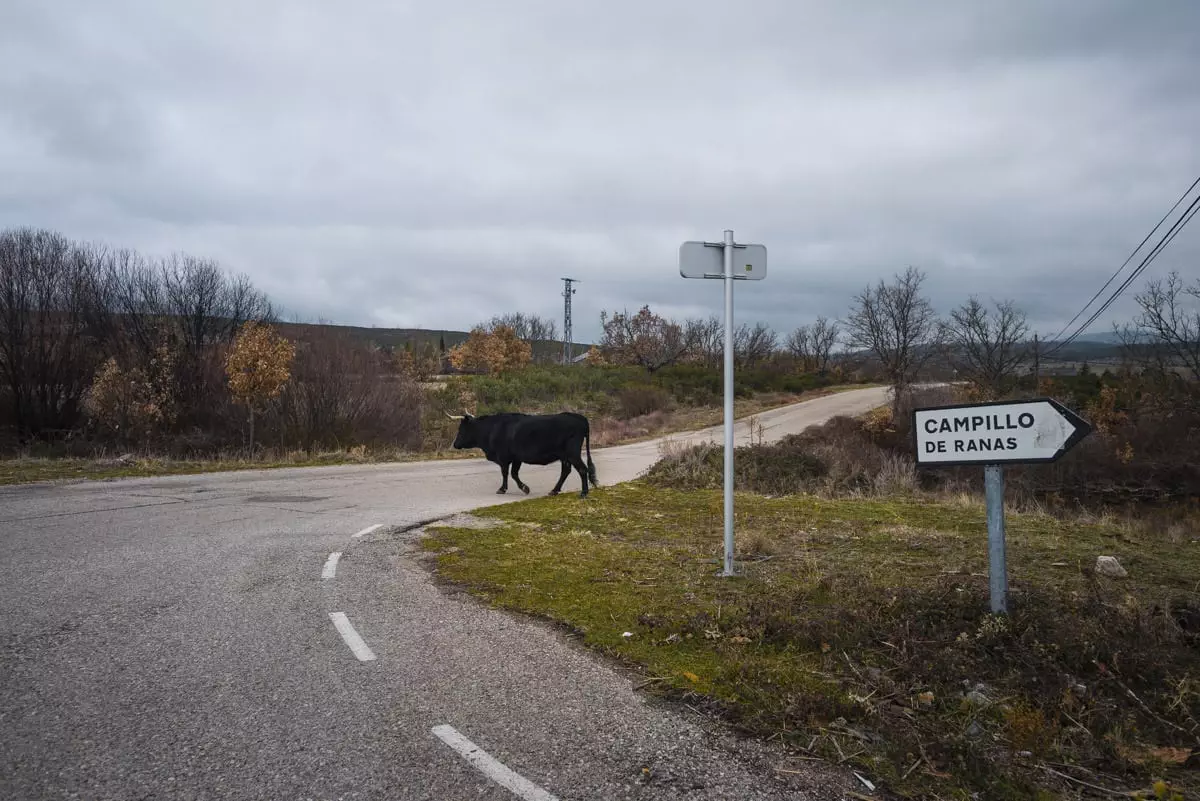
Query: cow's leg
[583,473]
[520,484]
[503,484]
[566,471]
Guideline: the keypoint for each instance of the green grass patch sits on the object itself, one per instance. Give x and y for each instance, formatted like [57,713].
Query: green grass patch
[859,630]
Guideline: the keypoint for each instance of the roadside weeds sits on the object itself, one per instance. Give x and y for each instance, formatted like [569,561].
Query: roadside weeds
[858,631]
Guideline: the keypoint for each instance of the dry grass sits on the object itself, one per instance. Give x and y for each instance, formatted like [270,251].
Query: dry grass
[859,630]
[26,470]
[438,436]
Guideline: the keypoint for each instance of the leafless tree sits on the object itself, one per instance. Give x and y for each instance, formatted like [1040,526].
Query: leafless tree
[799,346]
[824,337]
[532,329]
[1168,328]
[528,327]
[753,345]
[202,307]
[47,349]
[812,345]
[987,346]
[132,311]
[206,305]
[341,394]
[706,339]
[898,325]
[644,339]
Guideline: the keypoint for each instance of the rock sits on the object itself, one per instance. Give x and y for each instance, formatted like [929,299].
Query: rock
[979,695]
[974,729]
[1109,566]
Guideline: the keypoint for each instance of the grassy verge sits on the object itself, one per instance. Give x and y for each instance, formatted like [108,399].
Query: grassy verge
[859,631]
[27,470]
[605,432]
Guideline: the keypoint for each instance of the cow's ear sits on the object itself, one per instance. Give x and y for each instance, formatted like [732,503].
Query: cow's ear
[467,416]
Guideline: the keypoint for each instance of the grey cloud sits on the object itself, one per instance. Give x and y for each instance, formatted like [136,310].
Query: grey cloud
[410,164]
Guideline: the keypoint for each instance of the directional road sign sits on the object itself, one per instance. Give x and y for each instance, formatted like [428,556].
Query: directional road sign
[1007,432]
[993,435]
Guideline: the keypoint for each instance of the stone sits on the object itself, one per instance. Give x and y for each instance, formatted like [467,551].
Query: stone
[979,695]
[1109,566]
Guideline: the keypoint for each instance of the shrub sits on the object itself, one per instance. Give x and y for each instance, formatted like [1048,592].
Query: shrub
[341,396]
[779,469]
[496,351]
[133,406]
[640,401]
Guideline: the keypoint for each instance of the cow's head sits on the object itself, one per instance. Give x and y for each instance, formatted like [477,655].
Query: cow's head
[466,431]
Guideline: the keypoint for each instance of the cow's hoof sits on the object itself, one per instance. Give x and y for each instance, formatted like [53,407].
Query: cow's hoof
[525,490]
[553,492]
[501,491]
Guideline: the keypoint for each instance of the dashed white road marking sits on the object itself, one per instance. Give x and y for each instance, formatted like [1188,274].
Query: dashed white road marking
[331,565]
[351,637]
[489,766]
[368,530]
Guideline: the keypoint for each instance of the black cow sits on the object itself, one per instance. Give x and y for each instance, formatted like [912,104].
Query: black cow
[512,439]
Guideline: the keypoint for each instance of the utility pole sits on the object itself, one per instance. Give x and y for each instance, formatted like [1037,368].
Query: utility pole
[1037,366]
[568,291]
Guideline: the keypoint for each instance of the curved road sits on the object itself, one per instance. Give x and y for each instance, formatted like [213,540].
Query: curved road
[191,638]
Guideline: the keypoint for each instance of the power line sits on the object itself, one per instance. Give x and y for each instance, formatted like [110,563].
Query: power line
[1166,240]
[1129,259]
[1158,249]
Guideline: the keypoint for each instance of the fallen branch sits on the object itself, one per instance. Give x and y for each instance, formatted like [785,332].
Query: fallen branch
[859,752]
[852,667]
[1112,675]
[1089,785]
[651,680]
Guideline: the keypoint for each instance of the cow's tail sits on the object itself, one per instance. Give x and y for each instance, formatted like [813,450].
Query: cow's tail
[587,441]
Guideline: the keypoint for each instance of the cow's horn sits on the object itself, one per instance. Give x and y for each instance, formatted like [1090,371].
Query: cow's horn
[454,416]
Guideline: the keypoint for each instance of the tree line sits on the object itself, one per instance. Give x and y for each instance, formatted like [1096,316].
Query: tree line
[892,331]
[103,347]
[107,347]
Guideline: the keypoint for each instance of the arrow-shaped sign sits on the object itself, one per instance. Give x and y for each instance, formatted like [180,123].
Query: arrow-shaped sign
[1006,432]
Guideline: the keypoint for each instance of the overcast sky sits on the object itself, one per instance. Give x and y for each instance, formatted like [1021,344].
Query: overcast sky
[431,164]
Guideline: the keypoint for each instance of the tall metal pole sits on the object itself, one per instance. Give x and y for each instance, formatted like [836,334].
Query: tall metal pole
[993,481]
[567,293]
[728,571]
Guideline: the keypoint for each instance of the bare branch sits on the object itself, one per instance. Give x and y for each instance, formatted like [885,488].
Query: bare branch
[987,346]
[898,326]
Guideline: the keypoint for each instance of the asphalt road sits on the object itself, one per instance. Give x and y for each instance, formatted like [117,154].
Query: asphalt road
[172,638]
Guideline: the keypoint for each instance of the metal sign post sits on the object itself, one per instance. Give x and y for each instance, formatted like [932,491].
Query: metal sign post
[993,487]
[729,262]
[993,435]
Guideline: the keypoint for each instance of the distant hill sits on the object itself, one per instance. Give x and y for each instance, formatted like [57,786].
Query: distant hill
[1104,337]
[397,338]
